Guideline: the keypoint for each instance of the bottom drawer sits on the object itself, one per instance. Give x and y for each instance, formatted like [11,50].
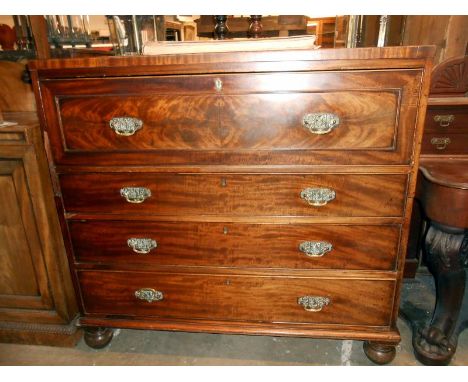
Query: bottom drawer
[242,298]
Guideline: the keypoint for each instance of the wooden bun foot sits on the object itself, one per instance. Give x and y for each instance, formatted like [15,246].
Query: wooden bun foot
[98,338]
[379,353]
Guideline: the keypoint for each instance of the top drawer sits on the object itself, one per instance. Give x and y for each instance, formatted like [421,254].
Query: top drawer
[446,119]
[277,118]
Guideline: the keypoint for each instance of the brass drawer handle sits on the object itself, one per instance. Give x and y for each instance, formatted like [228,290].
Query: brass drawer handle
[440,143]
[149,294]
[318,196]
[125,126]
[444,120]
[320,123]
[141,245]
[315,248]
[313,303]
[135,194]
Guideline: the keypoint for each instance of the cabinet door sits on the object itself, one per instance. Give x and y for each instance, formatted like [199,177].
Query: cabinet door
[24,288]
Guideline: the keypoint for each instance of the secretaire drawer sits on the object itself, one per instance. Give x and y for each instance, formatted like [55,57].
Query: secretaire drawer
[231,297]
[296,246]
[366,116]
[236,195]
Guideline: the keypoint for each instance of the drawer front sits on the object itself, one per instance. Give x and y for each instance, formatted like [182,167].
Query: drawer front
[446,120]
[364,120]
[236,195]
[236,245]
[367,116]
[443,143]
[230,297]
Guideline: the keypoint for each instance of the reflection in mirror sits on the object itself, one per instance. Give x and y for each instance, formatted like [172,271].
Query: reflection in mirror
[76,36]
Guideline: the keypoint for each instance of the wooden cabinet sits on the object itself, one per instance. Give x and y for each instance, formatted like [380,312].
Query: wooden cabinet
[252,192]
[37,303]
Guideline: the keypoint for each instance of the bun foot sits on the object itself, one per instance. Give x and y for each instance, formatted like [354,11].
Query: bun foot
[379,353]
[98,338]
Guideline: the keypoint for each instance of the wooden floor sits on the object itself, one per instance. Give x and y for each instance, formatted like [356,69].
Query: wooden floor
[137,347]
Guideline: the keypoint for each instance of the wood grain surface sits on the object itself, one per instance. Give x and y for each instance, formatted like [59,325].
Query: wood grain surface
[253,119]
[237,245]
[231,122]
[237,195]
[266,299]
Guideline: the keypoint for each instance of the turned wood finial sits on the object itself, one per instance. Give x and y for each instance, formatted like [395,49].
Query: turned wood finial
[255,27]
[221,29]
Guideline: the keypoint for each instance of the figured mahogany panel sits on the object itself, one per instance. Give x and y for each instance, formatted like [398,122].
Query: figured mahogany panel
[231,122]
[237,195]
[250,118]
[235,245]
[246,298]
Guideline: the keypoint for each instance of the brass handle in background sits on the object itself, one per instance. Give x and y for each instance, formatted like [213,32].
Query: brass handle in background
[149,294]
[444,120]
[318,196]
[441,143]
[141,245]
[315,248]
[313,303]
[135,194]
[125,126]
[320,123]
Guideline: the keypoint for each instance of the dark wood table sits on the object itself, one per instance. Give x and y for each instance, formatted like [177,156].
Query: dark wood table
[440,220]
[444,198]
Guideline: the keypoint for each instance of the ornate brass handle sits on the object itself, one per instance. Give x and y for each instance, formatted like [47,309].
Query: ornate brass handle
[315,248]
[141,245]
[318,196]
[125,125]
[149,294]
[444,120]
[313,303]
[135,194]
[441,143]
[320,123]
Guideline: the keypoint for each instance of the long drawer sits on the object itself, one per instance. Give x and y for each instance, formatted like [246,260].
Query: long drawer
[242,298]
[365,116]
[239,194]
[365,120]
[298,246]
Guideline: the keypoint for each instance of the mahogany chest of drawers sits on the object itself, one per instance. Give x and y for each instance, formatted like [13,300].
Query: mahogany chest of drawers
[252,192]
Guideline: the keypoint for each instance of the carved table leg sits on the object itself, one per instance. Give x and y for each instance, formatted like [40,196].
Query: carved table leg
[379,353]
[97,338]
[446,251]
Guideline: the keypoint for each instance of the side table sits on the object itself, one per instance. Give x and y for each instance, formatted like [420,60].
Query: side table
[444,199]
